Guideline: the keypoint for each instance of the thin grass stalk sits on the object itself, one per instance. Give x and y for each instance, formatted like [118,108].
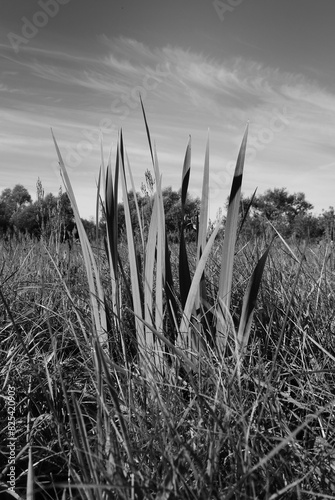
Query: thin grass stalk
[30,475]
[274,451]
[286,317]
[77,449]
[136,205]
[86,445]
[123,427]
[171,298]
[97,207]
[319,281]
[100,398]
[149,273]
[177,351]
[68,293]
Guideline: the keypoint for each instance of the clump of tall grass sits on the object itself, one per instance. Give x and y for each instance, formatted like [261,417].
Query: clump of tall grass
[143,382]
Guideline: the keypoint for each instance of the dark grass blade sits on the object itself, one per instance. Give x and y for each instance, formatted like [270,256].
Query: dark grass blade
[148,132]
[112,214]
[186,175]
[249,302]
[246,213]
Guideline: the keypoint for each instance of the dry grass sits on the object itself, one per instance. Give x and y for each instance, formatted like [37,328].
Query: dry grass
[262,432]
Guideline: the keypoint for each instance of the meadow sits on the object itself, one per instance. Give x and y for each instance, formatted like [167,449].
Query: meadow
[148,369]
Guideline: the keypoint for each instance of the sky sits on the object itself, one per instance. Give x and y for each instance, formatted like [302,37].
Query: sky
[201,67]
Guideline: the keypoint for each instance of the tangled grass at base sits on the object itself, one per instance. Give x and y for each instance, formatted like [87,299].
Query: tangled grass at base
[150,370]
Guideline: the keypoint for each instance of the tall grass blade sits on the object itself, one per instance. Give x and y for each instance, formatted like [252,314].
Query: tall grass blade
[160,266]
[229,241]
[203,219]
[161,258]
[134,273]
[96,291]
[111,243]
[202,233]
[184,269]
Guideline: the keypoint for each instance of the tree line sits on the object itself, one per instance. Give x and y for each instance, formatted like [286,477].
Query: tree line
[289,213]
[49,214]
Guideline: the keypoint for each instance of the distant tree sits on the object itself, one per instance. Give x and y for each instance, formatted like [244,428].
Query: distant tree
[46,216]
[4,221]
[90,228]
[289,213]
[20,195]
[57,214]
[12,200]
[278,204]
[26,220]
[172,210]
[327,223]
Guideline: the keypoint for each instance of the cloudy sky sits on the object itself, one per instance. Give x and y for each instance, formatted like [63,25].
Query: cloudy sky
[78,66]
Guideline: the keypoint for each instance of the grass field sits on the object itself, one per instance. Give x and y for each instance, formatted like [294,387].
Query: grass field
[127,388]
